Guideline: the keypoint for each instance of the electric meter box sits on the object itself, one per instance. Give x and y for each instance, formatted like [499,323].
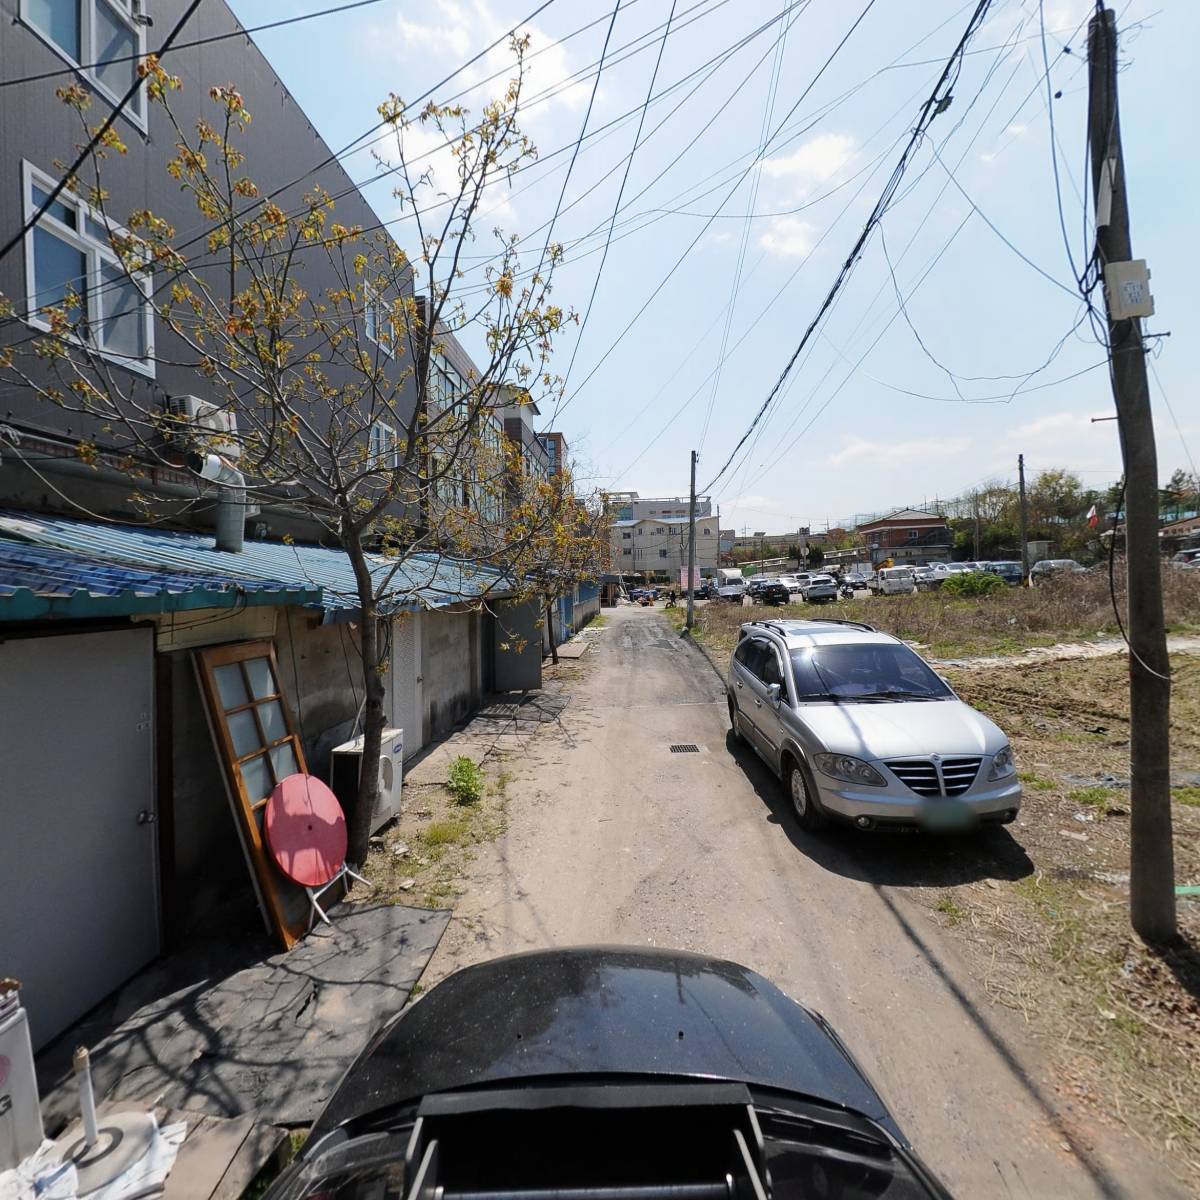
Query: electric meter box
[1128,288]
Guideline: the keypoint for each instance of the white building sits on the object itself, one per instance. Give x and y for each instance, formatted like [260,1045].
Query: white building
[659,545]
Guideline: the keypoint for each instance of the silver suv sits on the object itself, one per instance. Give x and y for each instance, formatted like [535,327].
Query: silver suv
[859,727]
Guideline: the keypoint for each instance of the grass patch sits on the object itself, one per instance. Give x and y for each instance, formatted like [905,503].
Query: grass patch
[1007,621]
[953,912]
[1036,782]
[445,833]
[1092,797]
[1186,795]
[466,780]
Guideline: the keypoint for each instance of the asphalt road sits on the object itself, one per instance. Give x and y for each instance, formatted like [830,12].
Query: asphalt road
[612,838]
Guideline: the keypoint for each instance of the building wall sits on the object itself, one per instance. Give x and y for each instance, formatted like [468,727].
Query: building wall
[641,552]
[281,145]
[451,669]
[322,682]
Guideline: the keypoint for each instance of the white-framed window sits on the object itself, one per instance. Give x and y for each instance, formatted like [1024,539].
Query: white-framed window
[68,251]
[376,325]
[383,446]
[103,39]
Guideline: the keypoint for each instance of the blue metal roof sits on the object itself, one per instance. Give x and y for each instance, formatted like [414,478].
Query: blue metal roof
[418,581]
[36,581]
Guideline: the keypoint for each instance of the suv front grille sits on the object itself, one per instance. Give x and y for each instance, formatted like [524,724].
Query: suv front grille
[921,775]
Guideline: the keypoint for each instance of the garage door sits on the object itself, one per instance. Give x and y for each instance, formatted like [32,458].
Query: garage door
[78,855]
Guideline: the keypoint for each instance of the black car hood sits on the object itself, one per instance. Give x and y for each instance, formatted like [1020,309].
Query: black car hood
[600,1011]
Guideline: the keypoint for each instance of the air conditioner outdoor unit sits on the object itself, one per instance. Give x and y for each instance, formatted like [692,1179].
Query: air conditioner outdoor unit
[209,421]
[344,767]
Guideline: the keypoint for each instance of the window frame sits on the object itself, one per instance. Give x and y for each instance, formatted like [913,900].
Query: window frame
[378,454]
[97,255]
[372,300]
[125,11]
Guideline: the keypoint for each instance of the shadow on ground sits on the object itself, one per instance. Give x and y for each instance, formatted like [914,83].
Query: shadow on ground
[888,858]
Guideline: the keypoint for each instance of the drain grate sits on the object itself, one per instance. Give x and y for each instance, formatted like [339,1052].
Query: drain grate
[685,749]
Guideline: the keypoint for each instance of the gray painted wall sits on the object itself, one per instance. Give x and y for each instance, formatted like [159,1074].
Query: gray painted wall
[281,145]
[450,669]
[323,694]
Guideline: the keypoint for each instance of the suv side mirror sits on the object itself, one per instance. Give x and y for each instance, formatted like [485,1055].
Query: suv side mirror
[775,693]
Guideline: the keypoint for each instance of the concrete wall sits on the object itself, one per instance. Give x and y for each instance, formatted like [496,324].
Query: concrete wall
[323,686]
[518,646]
[451,669]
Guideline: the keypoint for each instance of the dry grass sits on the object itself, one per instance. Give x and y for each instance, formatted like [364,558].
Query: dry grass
[1067,609]
[422,856]
[1119,1023]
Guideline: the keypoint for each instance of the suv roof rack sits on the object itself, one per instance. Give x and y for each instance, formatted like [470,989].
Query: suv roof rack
[842,621]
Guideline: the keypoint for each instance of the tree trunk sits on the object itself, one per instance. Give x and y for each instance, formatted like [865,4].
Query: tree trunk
[373,715]
[550,630]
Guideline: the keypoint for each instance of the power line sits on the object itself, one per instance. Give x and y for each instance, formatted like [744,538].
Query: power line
[704,229]
[938,101]
[204,41]
[620,193]
[95,139]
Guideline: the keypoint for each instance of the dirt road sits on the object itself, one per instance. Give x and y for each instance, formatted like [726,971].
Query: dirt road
[613,838]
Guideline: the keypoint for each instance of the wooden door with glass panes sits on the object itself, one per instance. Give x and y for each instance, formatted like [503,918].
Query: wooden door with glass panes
[258,746]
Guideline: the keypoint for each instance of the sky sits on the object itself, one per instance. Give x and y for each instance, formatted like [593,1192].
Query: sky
[960,340]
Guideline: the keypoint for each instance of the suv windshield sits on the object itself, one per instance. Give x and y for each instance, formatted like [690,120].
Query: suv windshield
[862,669]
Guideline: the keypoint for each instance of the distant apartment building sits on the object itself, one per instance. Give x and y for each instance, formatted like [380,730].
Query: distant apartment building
[654,546]
[629,506]
[555,447]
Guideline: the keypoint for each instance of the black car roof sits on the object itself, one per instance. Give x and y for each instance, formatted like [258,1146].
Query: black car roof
[600,1011]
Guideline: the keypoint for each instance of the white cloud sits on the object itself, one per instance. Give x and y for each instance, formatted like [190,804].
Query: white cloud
[1053,426]
[815,161]
[894,453]
[788,237]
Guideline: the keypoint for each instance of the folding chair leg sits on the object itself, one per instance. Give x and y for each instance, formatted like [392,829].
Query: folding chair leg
[355,875]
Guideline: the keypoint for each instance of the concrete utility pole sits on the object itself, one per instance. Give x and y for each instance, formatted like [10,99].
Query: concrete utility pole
[1024,519]
[1152,863]
[691,580]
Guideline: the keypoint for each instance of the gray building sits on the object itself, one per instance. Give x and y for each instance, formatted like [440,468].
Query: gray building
[116,803]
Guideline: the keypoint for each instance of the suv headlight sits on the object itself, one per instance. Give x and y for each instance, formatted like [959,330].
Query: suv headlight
[1002,764]
[852,770]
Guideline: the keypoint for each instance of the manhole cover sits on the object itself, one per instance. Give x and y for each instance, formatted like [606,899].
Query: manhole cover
[685,749]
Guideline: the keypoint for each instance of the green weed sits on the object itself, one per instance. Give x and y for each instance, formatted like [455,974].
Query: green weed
[466,780]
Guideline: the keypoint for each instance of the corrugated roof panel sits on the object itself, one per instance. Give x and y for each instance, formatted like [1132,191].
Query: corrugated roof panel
[39,581]
[425,580]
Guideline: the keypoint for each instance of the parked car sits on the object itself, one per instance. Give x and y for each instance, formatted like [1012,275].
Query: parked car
[1046,568]
[926,579]
[1010,572]
[1185,559]
[623,1072]
[895,581]
[792,583]
[857,579]
[859,727]
[773,591]
[818,589]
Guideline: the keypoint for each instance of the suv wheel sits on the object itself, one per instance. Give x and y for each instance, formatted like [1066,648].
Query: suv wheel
[737,733]
[804,805]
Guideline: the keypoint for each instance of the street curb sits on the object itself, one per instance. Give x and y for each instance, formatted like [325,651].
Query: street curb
[685,636]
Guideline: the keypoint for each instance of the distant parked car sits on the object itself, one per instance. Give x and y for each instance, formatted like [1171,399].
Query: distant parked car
[1010,572]
[1047,568]
[926,579]
[773,591]
[792,583]
[856,579]
[895,581]
[819,589]
[1185,560]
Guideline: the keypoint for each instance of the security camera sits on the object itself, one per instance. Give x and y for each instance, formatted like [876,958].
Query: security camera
[215,469]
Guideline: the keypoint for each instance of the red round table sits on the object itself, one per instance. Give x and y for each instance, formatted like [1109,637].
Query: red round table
[306,830]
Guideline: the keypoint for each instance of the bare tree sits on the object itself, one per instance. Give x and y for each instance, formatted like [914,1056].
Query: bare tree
[324,350]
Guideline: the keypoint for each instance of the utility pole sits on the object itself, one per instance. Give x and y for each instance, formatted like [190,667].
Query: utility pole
[1151,860]
[691,568]
[976,526]
[1024,519]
